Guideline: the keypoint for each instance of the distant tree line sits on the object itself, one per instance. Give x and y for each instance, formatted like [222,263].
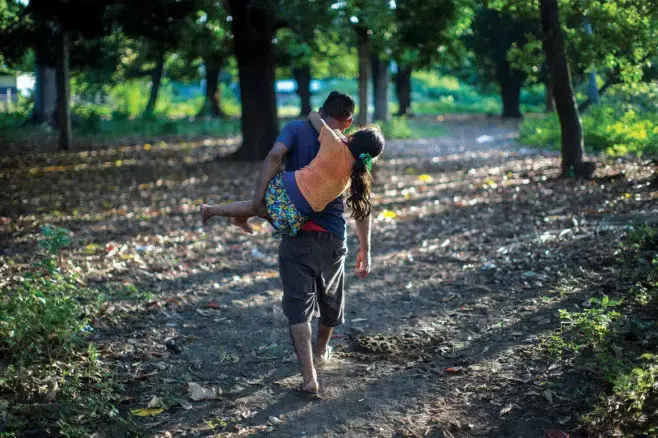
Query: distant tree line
[509,43]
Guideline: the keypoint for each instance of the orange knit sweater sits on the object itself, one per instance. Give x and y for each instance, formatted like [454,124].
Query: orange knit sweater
[328,174]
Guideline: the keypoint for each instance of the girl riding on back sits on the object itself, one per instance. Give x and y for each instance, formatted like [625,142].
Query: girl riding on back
[341,162]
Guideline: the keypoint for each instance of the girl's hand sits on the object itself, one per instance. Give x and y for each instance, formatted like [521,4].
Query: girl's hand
[363,263]
[316,120]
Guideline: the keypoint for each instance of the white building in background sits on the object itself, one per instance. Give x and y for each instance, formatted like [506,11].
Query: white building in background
[25,84]
[11,86]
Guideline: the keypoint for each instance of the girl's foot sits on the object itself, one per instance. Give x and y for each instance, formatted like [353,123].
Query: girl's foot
[242,222]
[206,213]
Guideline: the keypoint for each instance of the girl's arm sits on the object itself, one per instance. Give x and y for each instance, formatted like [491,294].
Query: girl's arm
[316,121]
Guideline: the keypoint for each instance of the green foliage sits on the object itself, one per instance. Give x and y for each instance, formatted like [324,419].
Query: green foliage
[19,109]
[585,329]
[643,237]
[397,127]
[494,34]
[43,323]
[128,99]
[422,33]
[333,57]
[622,42]
[374,17]
[614,128]
[13,29]
[52,241]
[434,93]
[634,389]
[403,128]
[617,343]
[43,315]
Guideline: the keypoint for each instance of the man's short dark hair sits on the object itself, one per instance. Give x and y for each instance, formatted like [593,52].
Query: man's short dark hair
[338,105]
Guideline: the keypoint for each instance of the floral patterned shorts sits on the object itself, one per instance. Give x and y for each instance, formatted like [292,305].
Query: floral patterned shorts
[284,216]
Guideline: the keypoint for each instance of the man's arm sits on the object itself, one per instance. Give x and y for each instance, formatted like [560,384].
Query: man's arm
[363,262]
[271,166]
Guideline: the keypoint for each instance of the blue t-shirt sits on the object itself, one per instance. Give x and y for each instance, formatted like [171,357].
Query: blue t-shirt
[301,139]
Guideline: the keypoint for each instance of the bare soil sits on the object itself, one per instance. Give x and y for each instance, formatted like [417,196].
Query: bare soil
[476,245]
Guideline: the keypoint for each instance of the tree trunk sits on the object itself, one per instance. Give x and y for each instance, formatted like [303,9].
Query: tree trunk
[363,49]
[550,101]
[381,77]
[156,79]
[45,93]
[212,102]
[255,56]
[511,82]
[510,90]
[303,77]
[63,91]
[403,90]
[567,110]
[593,87]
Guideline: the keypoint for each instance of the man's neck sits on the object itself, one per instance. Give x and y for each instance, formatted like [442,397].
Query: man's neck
[332,123]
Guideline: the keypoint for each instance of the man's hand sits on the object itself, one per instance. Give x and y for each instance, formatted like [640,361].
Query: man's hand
[259,208]
[271,166]
[363,263]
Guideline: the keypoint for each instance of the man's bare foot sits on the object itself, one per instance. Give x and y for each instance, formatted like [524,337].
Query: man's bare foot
[243,223]
[320,360]
[309,388]
[205,213]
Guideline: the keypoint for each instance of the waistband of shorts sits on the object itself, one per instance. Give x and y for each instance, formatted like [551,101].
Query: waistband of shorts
[323,236]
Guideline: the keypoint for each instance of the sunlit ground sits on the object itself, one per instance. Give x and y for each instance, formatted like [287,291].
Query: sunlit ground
[473,237]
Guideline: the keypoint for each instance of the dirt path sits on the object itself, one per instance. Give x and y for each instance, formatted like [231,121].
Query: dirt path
[473,240]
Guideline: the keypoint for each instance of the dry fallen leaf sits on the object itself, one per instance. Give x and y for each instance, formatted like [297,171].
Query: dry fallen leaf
[156,402]
[275,420]
[506,409]
[197,393]
[548,395]
[236,389]
[213,305]
[147,412]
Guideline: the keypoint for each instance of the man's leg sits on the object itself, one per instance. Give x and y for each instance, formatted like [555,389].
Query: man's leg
[296,268]
[301,340]
[324,335]
[330,296]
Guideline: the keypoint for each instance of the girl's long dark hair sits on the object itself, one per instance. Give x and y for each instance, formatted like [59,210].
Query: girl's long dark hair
[368,140]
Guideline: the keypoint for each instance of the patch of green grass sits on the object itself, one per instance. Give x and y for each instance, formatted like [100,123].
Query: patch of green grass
[616,339]
[614,127]
[403,128]
[129,293]
[93,125]
[52,378]
[128,99]
[585,329]
[163,127]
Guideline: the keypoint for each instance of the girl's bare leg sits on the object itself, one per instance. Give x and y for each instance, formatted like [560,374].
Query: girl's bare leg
[239,211]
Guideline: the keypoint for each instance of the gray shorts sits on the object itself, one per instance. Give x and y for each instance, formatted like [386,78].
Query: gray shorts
[312,268]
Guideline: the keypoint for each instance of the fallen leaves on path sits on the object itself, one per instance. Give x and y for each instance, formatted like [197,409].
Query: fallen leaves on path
[470,245]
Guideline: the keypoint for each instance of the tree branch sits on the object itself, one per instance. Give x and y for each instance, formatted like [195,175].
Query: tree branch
[613,79]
